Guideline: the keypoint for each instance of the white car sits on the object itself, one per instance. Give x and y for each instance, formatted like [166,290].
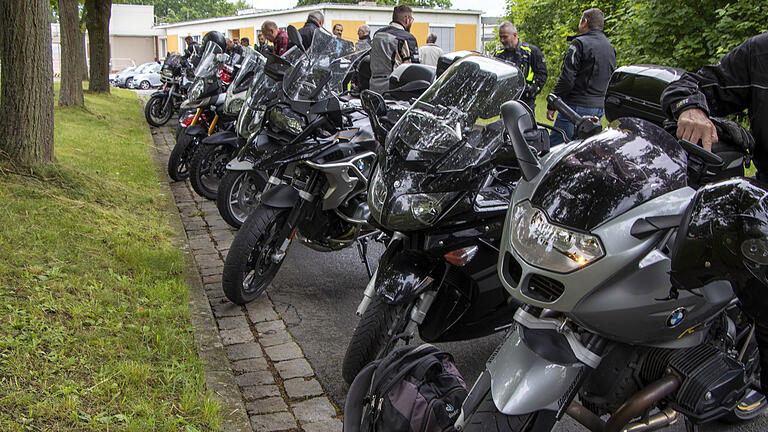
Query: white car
[125,79]
[150,78]
[114,78]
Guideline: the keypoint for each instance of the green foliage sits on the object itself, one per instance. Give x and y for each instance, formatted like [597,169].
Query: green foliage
[685,33]
[184,10]
[420,3]
[95,329]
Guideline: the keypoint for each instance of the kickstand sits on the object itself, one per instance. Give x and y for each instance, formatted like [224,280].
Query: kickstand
[362,249]
[691,426]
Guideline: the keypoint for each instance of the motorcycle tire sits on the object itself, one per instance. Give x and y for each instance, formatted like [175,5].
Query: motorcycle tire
[487,418]
[155,111]
[178,161]
[207,166]
[371,338]
[238,194]
[249,267]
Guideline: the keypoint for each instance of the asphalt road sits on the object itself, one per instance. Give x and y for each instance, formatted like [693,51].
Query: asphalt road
[317,294]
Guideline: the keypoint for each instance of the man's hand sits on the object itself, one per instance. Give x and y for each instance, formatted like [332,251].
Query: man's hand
[694,125]
[551,115]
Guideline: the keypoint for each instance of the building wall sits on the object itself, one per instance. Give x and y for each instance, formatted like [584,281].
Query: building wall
[129,50]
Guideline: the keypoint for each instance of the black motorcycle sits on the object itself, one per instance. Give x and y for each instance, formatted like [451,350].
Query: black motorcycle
[319,151]
[442,188]
[167,101]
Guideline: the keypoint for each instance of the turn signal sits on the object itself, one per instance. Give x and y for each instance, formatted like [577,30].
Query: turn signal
[460,257]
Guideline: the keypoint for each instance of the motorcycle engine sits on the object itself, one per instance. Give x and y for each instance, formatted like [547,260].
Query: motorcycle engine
[712,382]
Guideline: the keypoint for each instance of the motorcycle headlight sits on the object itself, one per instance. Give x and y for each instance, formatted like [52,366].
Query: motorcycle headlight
[284,121]
[249,121]
[548,246]
[196,91]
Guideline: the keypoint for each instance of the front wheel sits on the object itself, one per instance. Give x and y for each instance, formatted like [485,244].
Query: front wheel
[178,161]
[252,261]
[145,85]
[207,167]
[157,112]
[372,336]
[238,193]
[487,418]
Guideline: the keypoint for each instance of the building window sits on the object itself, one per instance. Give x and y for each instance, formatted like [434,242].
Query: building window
[163,48]
[445,37]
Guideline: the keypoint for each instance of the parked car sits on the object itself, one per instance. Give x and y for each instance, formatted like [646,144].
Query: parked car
[150,78]
[115,77]
[124,80]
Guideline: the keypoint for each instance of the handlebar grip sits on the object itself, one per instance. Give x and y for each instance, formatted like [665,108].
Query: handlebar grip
[563,109]
[708,158]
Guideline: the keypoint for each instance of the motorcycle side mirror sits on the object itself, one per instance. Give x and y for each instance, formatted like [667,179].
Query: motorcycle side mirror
[517,120]
[373,103]
[295,38]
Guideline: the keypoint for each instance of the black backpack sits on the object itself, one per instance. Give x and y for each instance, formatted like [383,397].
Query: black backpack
[415,389]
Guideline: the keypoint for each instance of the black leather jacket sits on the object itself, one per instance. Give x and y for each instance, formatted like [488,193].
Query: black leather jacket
[738,82]
[587,69]
[307,32]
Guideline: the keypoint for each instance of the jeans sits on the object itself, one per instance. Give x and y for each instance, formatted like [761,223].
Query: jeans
[563,123]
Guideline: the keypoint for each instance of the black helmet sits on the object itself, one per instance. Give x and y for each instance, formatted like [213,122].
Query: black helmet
[215,37]
[725,237]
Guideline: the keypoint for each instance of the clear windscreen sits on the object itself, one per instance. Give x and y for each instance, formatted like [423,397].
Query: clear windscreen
[208,64]
[455,123]
[321,72]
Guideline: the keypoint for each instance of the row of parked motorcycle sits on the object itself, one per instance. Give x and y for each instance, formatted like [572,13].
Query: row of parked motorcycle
[610,261]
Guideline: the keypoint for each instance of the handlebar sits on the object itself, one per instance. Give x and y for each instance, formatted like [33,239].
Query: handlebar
[563,109]
[708,158]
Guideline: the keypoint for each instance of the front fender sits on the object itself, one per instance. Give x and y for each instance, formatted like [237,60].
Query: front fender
[227,138]
[523,382]
[196,130]
[280,196]
[403,274]
[159,93]
[241,165]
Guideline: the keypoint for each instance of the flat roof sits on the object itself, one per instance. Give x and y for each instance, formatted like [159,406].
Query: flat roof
[309,8]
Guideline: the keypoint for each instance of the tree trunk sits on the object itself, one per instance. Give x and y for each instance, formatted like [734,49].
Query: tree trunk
[81,59]
[97,23]
[26,97]
[71,76]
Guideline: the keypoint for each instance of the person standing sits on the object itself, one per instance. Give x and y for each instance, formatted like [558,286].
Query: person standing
[363,38]
[392,46]
[527,57]
[429,53]
[587,68]
[315,20]
[191,48]
[263,48]
[279,38]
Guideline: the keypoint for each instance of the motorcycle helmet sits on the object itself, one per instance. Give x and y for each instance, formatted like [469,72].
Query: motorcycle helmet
[724,236]
[215,37]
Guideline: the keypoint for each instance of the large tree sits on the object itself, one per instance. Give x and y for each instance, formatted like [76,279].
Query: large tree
[71,67]
[97,22]
[26,97]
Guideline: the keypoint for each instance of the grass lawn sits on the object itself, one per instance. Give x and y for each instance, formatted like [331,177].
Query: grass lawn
[94,323]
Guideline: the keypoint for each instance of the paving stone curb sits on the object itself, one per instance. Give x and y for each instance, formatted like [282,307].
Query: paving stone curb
[252,363]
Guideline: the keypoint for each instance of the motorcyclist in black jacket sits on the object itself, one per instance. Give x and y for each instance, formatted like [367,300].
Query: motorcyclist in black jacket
[587,68]
[315,20]
[738,82]
[527,57]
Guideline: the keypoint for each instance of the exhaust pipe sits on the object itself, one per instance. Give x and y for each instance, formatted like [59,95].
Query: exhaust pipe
[641,401]
[634,407]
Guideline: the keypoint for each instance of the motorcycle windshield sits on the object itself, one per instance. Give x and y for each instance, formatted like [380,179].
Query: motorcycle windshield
[251,63]
[208,64]
[321,72]
[455,124]
[629,163]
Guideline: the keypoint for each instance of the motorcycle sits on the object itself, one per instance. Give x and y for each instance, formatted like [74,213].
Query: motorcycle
[241,185]
[441,189]
[207,165]
[206,98]
[626,256]
[166,101]
[319,151]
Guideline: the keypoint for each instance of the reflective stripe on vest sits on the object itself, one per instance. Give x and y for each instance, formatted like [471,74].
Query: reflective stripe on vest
[529,78]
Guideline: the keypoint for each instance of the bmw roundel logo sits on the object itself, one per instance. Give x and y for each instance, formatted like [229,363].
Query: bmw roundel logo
[676,317]
[361,164]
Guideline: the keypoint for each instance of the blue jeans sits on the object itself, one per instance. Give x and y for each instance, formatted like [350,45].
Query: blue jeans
[563,123]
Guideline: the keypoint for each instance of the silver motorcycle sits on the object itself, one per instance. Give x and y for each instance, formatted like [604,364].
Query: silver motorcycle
[627,259]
